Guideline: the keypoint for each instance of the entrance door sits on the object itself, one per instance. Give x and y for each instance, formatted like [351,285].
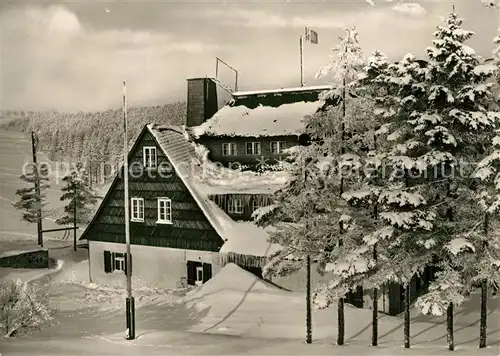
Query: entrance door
[355,297]
[199,275]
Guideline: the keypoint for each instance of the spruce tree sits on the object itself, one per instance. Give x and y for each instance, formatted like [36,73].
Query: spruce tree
[79,196]
[32,204]
[450,132]
[485,267]
[400,204]
[363,199]
[294,217]
[344,72]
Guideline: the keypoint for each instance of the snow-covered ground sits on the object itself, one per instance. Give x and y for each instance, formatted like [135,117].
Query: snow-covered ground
[235,313]
[232,314]
[240,304]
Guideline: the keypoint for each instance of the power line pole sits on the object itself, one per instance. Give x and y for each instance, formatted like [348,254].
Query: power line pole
[37,191]
[130,304]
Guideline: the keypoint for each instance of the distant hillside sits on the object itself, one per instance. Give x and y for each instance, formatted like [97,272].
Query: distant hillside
[95,138]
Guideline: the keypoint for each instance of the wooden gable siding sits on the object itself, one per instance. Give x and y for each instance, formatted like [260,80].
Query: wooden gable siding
[214,145]
[247,199]
[190,228]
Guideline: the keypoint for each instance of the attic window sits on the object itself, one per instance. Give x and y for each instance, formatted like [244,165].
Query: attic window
[164,211]
[277,147]
[253,148]
[235,206]
[229,149]
[149,156]
[137,205]
[256,204]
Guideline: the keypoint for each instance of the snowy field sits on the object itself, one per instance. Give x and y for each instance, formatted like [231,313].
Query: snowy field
[15,150]
[234,313]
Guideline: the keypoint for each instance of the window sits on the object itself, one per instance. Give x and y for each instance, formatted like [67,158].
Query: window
[277,147]
[149,156]
[115,262]
[164,211]
[253,148]
[256,205]
[235,206]
[229,149]
[118,261]
[137,209]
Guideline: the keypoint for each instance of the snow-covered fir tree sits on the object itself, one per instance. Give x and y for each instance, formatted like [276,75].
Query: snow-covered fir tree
[484,269]
[363,196]
[345,126]
[30,202]
[295,218]
[79,196]
[312,198]
[440,123]
[402,217]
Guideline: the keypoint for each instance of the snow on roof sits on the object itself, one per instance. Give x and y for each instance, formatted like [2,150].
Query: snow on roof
[227,181]
[20,252]
[282,90]
[266,113]
[243,238]
[251,240]
[286,119]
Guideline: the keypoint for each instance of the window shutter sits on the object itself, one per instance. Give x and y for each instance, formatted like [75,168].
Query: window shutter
[207,272]
[107,261]
[191,272]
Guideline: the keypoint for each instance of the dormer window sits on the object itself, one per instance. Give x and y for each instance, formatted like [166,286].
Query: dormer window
[253,148]
[277,147]
[256,205]
[235,206]
[229,149]
[149,157]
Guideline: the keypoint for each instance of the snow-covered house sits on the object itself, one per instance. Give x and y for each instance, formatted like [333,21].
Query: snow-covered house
[251,131]
[255,127]
[178,235]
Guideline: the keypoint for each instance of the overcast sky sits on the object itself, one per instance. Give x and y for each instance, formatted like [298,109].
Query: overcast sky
[74,55]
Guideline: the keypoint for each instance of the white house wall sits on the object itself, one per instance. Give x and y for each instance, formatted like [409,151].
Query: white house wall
[158,267]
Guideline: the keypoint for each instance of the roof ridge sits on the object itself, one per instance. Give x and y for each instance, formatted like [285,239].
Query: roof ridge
[161,127]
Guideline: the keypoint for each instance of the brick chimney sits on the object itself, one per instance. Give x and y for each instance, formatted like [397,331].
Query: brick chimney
[201,100]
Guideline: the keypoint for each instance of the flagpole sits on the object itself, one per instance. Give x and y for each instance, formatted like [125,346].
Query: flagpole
[130,305]
[301,44]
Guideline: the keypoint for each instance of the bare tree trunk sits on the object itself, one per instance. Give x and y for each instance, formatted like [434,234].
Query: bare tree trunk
[449,327]
[34,145]
[375,318]
[340,307]
[484,299]
[308,303]
[407,316]
[484,314]
[375,297]
[341,322]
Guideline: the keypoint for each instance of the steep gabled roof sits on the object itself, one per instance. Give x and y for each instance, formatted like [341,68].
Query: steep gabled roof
[264,113]
[183,157]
